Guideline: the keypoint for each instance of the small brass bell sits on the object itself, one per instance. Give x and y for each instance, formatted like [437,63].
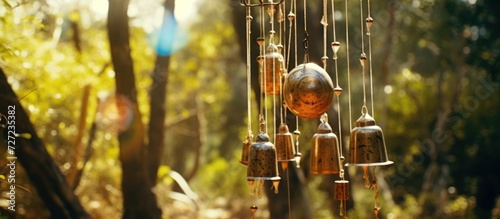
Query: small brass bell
[341,190]
[262,160]
[367,145]
[308,91]
[245,150]
[274,65]
[284,144]
[325,151]
[341,193]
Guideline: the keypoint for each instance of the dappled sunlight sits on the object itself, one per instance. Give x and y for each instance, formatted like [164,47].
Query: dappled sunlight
[435,95]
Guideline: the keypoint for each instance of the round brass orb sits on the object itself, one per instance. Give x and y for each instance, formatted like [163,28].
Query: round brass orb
[308,91]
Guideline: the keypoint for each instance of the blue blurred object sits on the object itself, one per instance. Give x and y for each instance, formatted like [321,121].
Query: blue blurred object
[169,38]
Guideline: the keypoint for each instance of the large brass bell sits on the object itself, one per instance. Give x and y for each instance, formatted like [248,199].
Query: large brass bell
[285,148]
[308,91]
[262,160]
[274,65]
[367,145]
[325,151]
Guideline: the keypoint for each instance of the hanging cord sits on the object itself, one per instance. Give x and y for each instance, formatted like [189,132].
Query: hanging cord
[248,68]
[261,40]
[271,11]
[249,80]
[377,207]
[348,65]
[305,42]
[335,44]
[288,194]
[362,29]
[362,59]
[282,8]
[292,20]
[295,32]
[249,18]
[369,22]
[282,31]
[324,22]
[337,89]
[296,133]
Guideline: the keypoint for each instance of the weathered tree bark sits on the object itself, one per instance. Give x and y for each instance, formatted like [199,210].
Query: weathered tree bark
[158,93]
[50,183]
[138,199]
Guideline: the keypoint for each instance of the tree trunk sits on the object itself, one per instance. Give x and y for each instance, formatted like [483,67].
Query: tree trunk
[437,173]
[139,200]
[50,183]
[158,93]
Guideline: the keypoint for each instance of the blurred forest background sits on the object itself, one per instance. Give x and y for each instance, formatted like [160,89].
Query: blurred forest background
[437,98]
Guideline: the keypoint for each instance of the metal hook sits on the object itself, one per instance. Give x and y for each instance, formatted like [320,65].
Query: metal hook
[305,44]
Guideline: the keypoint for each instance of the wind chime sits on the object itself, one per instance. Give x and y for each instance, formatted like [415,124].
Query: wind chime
[308,92]
[261,156]
[367,145]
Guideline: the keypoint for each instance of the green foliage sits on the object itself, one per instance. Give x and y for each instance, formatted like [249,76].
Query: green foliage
[49,74]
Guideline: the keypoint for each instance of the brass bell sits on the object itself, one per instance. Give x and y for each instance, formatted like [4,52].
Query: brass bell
[284,145]
[308,91]
[325,151]
[262,160]
[274,64]
[341,190]
[367,145]
[341,193]
[245,150]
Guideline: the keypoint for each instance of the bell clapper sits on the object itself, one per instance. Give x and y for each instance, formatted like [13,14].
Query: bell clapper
[377,207]
[260,183]
[366,177]
[253,209]
[284,165]
[276,184]
[250,185]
